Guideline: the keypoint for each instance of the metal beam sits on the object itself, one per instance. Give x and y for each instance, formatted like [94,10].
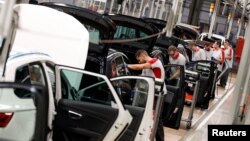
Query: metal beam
[180,11]
[140,10]
[241,86]
[163,7]
[232,19]
[156,8]
[191,11]
[6,16]
[111,6]
[151,8]
[213,18]
[196,12]
[173,17]
[241,21]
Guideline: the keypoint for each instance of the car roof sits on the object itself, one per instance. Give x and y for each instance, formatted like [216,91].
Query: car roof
[215,35]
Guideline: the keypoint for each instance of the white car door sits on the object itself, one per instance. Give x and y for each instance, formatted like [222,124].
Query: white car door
[137,94]
[23,94]
[88,107]
[20,102]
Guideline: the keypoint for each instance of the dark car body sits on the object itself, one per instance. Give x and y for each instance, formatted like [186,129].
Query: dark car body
[182,34]
[103,59]
[129,27]
[156,47]
[102,56]
[183,31]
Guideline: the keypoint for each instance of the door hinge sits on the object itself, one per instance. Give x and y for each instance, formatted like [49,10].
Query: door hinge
[242,112]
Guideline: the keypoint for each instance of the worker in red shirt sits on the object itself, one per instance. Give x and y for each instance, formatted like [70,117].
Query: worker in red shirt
[151,67]
[228,63]
[175,57]
[218,56]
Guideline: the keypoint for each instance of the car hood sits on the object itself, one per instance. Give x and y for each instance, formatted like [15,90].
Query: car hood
[46,30]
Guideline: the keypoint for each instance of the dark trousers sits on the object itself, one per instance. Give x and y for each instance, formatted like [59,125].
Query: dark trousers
[159,135]
[224,78]
[213,92]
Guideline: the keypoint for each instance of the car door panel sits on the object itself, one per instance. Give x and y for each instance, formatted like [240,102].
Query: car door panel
[84,119]
[206,69]
[170,102]
[137,93]
[137,114]
[88,107]
[174,100]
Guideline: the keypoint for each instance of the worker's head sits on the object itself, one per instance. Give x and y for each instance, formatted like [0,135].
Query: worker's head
[217,44]
[141,56]
[192,46]
[172,50]
[226,44]
[207,46]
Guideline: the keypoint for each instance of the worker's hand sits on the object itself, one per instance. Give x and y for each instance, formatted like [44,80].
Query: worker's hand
[125,66]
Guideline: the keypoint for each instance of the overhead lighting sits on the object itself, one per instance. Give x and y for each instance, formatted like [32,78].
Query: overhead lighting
[229,16]
[238,21]
[211,8]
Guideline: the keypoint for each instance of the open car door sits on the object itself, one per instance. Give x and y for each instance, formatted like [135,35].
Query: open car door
[137,94]
[175,98]
[7,30]
[88,107]
[208,71]
[34,95]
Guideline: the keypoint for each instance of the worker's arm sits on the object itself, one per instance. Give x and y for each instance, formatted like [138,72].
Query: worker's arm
[230,56]
[222,58]
[175,75]
[139,66]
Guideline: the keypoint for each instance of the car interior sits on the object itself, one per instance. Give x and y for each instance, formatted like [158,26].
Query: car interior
[133,94]
[28,74]
[84,103]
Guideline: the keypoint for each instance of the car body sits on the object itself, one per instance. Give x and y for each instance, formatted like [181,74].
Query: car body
[109,59]
[214,37]
[182,31]
[182,35]
[175,98]
[174,101]
[34,59]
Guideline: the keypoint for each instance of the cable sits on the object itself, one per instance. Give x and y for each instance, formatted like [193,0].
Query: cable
[133,40]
